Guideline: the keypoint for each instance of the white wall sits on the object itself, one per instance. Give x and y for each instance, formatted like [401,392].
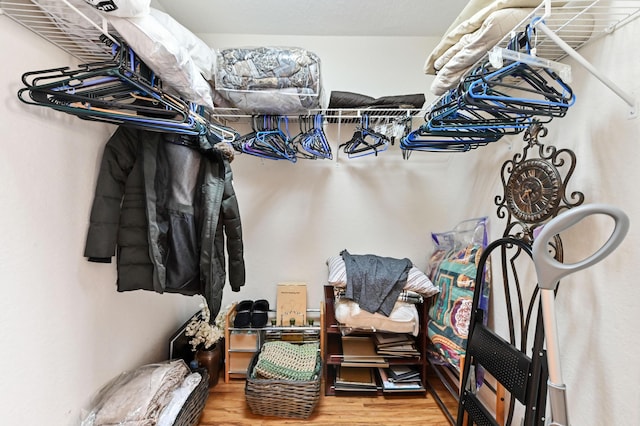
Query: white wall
[63,320]
[596,307]
[374,66]
[65,330]
[296,215]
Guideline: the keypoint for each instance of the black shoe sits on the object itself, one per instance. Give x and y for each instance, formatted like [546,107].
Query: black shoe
[259,313]
[243,314]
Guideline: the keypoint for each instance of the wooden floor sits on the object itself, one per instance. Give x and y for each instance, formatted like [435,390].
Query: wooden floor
[226,405]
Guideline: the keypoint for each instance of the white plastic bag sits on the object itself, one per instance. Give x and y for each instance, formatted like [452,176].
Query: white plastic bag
[121,8]
[203,56]
[163,53]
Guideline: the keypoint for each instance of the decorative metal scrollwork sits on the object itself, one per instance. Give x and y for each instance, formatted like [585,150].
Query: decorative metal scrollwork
[561,162]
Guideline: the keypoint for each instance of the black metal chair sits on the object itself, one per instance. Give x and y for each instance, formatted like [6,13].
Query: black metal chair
[521,372]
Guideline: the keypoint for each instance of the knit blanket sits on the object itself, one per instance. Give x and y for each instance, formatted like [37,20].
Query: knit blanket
[287,361]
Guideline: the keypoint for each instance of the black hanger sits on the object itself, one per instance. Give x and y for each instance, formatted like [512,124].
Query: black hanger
[123,91]
[365,141]
[311,142]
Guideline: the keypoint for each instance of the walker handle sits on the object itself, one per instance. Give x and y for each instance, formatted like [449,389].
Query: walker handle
[548,269]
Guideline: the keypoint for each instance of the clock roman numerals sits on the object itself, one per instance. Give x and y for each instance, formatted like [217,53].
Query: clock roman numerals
[533,190]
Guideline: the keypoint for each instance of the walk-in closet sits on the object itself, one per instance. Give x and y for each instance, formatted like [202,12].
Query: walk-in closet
[298,150]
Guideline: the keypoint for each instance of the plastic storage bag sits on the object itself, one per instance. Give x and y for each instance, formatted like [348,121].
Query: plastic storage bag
[453,265]
[121,8]
[136,397]
[269,80]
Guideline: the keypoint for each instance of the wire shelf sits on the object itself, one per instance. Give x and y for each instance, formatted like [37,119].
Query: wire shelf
[577,22]
[87,36]
[559,29]
[84,35]
[332,115]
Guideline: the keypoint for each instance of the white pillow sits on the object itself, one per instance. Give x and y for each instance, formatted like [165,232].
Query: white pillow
[203,56]
[164,54]
[337,271]
[419,282]
[121,8]
[416,280]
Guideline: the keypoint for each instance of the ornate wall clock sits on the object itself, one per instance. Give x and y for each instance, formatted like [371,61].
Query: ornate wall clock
[533,190]
[534,183]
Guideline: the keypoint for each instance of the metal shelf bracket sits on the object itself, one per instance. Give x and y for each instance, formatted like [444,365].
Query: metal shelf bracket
[627,98]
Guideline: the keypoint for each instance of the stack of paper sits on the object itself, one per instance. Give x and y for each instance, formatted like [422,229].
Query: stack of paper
[390,382]
[360,351]
[396,345]
[403,373]
[355,379]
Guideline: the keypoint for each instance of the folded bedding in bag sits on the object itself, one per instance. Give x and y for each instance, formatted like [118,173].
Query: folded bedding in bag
[270,80]
[137,397]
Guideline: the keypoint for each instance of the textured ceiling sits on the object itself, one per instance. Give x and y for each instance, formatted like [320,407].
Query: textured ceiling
[316,17]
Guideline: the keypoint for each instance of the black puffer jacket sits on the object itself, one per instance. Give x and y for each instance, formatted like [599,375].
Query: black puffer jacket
[166,202]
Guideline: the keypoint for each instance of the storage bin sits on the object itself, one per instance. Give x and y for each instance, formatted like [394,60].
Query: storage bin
[192,409]
[282,398]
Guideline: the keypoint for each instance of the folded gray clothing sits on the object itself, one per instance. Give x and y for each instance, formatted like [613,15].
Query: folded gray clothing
[375,282]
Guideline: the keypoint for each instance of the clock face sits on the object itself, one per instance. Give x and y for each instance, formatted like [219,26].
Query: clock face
[533,190]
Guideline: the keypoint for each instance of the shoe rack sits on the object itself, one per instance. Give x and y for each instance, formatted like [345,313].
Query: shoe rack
[242,344]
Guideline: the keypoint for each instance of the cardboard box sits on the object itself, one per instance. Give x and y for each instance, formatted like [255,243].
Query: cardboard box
[291,304]
[239,362]
[239,340]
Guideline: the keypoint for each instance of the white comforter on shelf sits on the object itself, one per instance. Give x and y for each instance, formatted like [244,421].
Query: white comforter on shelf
[468,21]
[457,60]
[482,25]
[183,61]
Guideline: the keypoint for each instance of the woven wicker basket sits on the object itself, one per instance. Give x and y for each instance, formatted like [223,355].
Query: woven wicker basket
[190,412]
[281,398]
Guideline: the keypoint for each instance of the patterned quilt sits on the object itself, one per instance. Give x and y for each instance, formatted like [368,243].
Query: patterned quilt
[450,314]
